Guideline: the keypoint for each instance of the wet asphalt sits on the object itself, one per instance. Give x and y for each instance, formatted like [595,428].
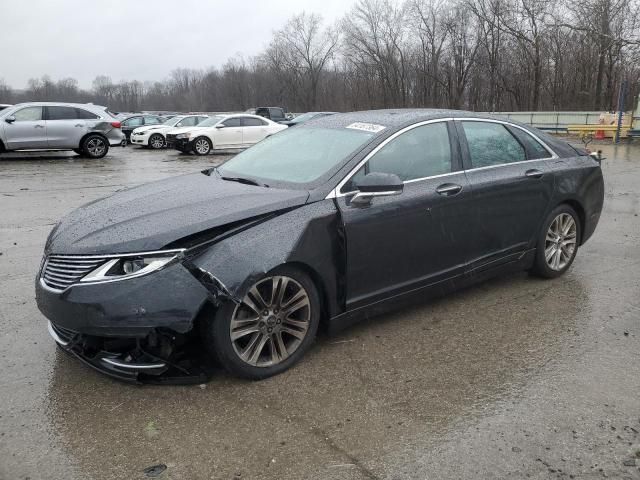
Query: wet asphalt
[514,378]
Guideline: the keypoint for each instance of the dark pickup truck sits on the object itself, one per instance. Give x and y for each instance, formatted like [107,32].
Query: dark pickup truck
[275,114]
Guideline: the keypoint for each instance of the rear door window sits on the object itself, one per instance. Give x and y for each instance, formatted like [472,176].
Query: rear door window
[535,150]
[28,114]
[252,122]
[232,122]
[492,144]
[152,121]
[61,113]
[133,122]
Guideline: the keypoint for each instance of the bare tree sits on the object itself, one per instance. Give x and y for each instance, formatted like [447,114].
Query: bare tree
[303,48]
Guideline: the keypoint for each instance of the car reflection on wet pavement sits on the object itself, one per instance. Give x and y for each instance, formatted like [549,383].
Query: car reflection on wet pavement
[517,377]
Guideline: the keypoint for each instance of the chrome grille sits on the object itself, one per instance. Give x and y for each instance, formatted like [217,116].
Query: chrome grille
[61,271]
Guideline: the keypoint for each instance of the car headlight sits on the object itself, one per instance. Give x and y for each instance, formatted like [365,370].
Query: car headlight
[131,265]
[183,135]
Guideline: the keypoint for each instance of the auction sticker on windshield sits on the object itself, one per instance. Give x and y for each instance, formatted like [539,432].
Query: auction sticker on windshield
[367,127]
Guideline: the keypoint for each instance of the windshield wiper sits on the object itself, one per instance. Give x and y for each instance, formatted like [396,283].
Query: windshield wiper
[246,181]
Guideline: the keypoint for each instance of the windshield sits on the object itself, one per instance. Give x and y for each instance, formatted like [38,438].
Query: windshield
[297,155]
[304,117]
[172,121]
[211,121]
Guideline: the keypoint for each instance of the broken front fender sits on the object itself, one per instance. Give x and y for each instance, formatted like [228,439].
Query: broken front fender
[309,237]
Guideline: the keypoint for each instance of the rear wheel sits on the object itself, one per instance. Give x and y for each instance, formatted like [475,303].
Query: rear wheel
[270,329]
[202,146]
[156,141]
[557,242]
[95,146]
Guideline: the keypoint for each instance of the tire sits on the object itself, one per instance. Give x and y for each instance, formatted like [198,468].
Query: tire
[202,146]
[271,330]
[95,146]
[156,141]
[557,243]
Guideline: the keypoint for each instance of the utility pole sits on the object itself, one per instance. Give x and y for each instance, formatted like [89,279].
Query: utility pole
[621,95]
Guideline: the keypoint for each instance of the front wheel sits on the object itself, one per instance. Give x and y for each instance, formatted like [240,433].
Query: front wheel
[156,141]
[202,146]
[95,146]
[270,329]
[557,243]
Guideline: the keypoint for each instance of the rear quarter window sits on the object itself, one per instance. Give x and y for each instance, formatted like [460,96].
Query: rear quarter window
[535,150]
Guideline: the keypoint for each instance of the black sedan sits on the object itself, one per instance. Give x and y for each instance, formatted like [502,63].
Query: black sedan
[132,122]
[318,225]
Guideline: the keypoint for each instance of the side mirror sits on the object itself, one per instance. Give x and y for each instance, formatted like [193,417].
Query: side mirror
[10,119]
[377,185]
[219,125]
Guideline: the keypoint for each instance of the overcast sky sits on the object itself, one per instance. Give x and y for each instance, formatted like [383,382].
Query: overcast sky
[137,39]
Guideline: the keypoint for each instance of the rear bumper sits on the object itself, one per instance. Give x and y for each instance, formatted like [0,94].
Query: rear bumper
[116,138]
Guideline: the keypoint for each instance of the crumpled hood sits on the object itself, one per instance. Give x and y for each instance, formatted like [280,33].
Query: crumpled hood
[176,131]
[149,128]
[151,216]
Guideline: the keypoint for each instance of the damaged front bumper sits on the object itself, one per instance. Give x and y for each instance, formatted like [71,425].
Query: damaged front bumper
[135,330]
[123,366]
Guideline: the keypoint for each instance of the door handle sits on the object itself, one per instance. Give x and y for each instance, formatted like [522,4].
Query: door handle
[38,126]
[79,125]
[449,189]
[533,173]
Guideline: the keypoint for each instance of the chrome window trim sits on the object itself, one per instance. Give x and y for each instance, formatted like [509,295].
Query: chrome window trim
[335,193]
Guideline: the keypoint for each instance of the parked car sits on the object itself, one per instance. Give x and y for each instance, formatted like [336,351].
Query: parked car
[275,114]
[325,223]
[305,117]
[86,129]
[153,136]
[129,124]
[221,132]
[4,105]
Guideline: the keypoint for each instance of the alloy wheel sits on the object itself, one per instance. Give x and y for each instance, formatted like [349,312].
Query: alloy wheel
[95,147]
[560,242]
[157,141]
[271,322]
[202,146]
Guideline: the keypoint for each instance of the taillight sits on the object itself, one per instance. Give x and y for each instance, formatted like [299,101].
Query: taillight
[116,124]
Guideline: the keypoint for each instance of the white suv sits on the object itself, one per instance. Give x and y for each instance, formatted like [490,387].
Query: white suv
[84,128]
[154,135]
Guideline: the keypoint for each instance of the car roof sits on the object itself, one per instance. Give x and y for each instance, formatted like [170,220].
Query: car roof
[391,117]
[231,115]
[59,104]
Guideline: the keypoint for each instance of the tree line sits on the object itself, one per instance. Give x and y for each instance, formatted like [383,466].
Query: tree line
[484,55]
